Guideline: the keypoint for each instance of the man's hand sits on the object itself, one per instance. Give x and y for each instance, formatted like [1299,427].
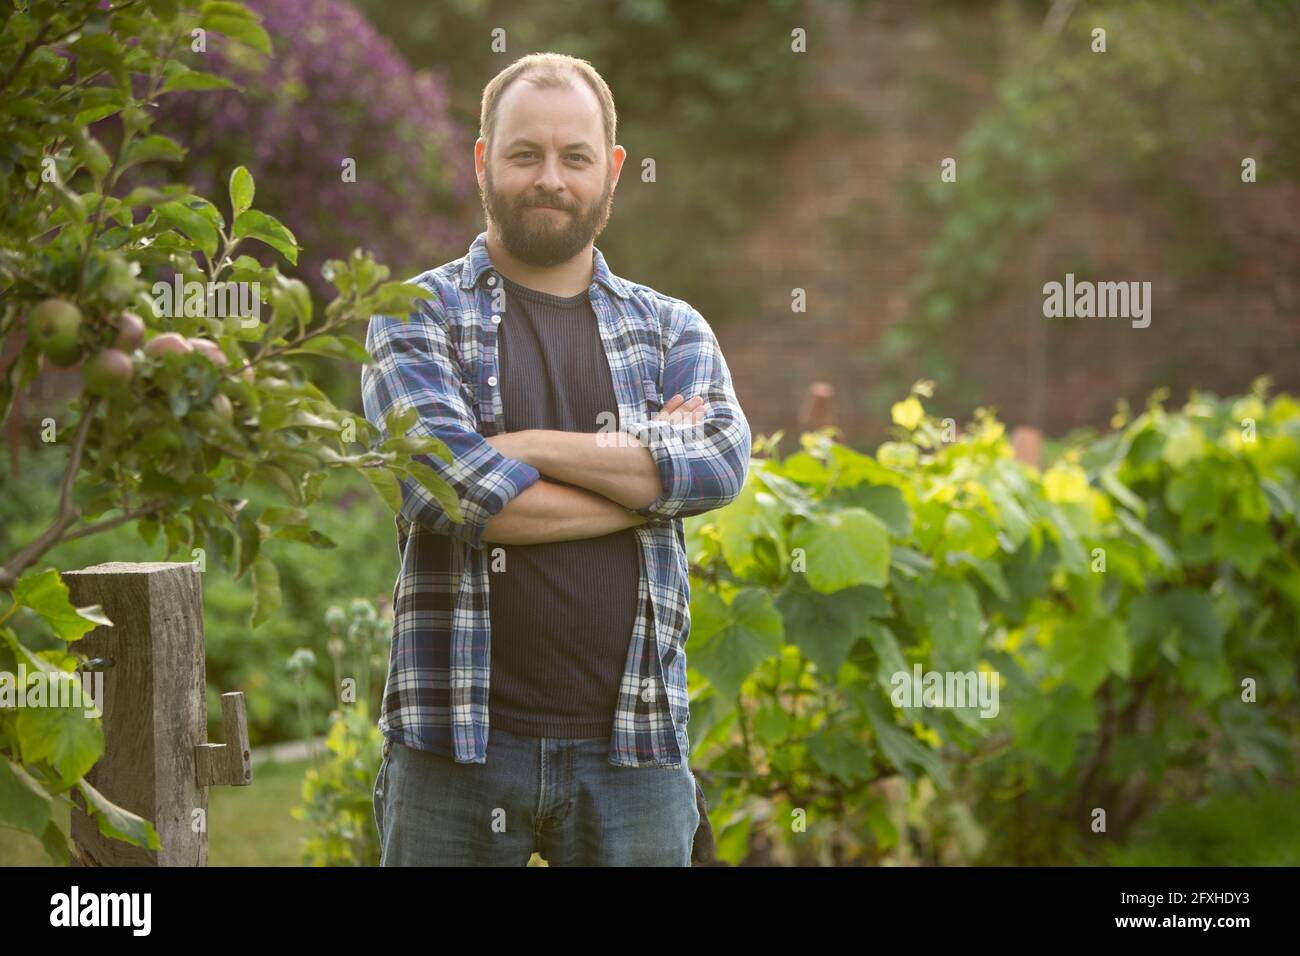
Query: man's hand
[626,474]
[678,411]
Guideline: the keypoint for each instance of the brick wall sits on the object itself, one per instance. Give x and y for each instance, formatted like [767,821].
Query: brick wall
[840,228]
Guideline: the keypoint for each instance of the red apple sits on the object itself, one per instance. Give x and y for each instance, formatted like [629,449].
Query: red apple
[130,332]
[107,372]
[211,349]
[169,343]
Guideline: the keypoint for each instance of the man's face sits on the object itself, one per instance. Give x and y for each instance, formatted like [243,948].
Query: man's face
[547,185]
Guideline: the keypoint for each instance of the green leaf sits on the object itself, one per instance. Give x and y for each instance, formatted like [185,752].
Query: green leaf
[1073,557]
[191,223]
[282,480]
[339,347]
[278,515]
[1185,443]
[840,754]
[293,296]
[46,594]
[152,148]
[92,155]
[98,102]
[882,827]
[747,517]
[1194,496]
[1244,544]
[1087,650]
[989,570]
[901,749]
[771,725]
[118,823]
[952,615]
[844,548]
[266,590]
[305,535]
[1188,615]
[433,483]
[399,420]
[252,224]
[734,638]
[24,803]
[1121,492]
[181,77]
[64,736]
[826,626]
[55,844]
[1015,521]
[385,482]
[1048,726]
[250,543]
[1164,553]
[855,467]
[241,191]
[886,503]
[237,22]
[397,298]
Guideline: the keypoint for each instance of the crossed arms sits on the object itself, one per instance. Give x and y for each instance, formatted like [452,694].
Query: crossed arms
[692,457]
[613,480]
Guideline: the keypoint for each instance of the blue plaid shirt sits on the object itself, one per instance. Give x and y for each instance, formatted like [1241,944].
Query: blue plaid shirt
[442,360]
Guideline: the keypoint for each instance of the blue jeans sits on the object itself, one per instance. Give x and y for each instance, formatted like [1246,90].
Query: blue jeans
[560,798]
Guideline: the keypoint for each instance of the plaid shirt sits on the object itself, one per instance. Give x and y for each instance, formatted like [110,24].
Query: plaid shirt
[443,361]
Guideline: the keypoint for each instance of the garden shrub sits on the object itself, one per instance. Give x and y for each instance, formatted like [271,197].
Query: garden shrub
[1122,596]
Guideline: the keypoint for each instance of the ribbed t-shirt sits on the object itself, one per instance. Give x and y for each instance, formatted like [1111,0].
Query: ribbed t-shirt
[562,612]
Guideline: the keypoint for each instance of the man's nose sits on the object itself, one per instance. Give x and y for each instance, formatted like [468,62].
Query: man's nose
[548,179]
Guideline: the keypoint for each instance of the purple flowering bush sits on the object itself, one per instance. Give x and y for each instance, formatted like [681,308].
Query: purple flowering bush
[333,89]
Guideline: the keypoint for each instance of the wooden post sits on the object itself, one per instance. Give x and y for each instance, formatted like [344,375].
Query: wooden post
[154,712]
[1027,444]
[818,411]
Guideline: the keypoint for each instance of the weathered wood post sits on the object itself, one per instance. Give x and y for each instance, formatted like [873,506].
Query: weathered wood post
[818,409]
[1027,444]
[157,762]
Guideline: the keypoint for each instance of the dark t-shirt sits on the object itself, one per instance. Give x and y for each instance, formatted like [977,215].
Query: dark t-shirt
[562,612]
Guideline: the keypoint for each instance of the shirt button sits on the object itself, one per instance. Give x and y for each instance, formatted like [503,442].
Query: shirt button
[492,380]
[496,320]
[491,280]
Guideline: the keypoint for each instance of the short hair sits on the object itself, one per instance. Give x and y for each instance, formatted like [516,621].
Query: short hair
[547,71]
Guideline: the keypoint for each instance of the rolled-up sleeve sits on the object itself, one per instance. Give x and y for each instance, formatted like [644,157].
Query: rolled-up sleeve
[414,365]
[702,466]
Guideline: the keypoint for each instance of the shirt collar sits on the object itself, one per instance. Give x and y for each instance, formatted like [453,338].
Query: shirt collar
[478,265]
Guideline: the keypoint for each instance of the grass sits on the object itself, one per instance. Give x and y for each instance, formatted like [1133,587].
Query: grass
[247,826]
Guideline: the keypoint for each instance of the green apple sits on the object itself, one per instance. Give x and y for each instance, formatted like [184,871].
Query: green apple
[55,326]
[223,407]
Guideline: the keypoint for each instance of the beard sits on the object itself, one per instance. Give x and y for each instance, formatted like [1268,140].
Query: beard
[545,238]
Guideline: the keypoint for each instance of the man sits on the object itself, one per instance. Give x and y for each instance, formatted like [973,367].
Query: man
[557,611]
